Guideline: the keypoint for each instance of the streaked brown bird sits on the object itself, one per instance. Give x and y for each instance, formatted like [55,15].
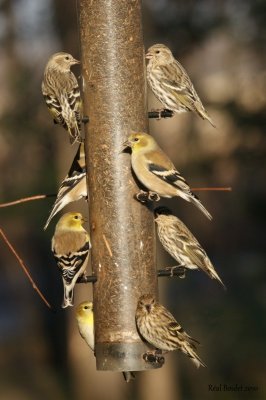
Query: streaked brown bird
[170,83]
[181,244]
[61,92]
[160,329]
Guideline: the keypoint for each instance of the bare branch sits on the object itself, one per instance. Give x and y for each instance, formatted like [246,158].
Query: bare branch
[26,199]
[23,266]
[212,189]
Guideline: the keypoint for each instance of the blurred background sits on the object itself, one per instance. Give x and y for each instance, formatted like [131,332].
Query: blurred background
[222,46]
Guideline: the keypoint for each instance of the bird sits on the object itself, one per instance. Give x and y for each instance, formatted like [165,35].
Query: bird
[160,329]
[181,244]
[85,320]
[171,84]
[70,246]
[73,187]
[61,92]
[156,171]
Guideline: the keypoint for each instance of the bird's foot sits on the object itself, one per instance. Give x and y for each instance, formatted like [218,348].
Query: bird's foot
[161,113]
[85,119]
[177,270]
[144,197]
[154,357]
[153,196]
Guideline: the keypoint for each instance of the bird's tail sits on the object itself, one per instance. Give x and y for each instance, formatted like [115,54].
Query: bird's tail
[59,203]
[188,349]
[213,274]
[203,113]
[68,296]
[198,204]
[75,133]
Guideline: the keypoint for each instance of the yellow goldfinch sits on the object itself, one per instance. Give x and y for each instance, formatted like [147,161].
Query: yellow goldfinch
[159,328]
[70,245]
[179,242]
[85,319]
[157,172]
[74,185]
[170,82]
[62,95]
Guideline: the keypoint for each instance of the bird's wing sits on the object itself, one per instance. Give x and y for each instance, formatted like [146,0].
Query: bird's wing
[54,107]
[189,244]
[67,191]
[176,79]
[171,176]
[178,331]
[70,264]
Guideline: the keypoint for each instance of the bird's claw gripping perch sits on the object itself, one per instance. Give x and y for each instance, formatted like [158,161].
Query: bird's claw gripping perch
[143,196]
[159,114]
[181,271]
[85,119]
[153,357]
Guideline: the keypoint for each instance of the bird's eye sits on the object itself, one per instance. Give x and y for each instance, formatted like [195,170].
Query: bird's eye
[86,307]
[67,58]
[157,52]
[76,217]
[136,139]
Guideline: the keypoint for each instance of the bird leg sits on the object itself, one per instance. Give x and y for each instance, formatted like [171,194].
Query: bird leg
[85,119]
[153,196]
[162,113]
[181,271]
[144,197]
[154,356]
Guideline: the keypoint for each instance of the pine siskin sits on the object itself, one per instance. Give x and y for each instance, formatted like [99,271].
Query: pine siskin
[179,242]
[160,329]
[170,82]
[157,172]
[62,95]
[71,245]
[85,319]
[74,185]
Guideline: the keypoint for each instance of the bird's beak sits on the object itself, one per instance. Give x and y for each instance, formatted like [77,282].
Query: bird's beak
[148,56]
[126,144]
[74,61]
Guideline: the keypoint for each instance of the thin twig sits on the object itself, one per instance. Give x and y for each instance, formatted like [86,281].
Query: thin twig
[217,189]
[23,266]
[25,199]
[107,245]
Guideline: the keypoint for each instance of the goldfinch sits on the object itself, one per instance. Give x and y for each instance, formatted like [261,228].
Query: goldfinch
[170,83]
[74,185]
[70,245]
[160,329]
[179,242]
[157,172]
[85,320]
[62,95]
